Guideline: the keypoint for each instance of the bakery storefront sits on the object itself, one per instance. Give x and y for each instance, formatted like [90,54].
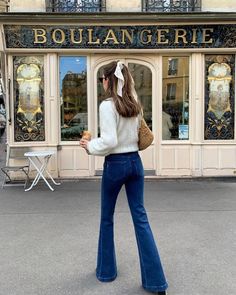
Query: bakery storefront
[184,73]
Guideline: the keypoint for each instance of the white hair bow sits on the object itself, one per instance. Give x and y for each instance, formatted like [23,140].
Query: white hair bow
[120,77]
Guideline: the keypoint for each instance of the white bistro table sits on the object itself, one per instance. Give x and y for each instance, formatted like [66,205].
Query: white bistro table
[39,160]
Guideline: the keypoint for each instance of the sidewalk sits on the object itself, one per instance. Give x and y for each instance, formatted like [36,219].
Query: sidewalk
[49,239]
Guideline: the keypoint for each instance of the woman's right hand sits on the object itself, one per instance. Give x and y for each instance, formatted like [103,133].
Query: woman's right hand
[84,143]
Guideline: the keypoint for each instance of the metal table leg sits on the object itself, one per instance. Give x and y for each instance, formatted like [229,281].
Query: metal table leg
[40,172]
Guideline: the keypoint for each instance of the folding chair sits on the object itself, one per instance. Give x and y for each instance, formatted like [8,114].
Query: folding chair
[20,164]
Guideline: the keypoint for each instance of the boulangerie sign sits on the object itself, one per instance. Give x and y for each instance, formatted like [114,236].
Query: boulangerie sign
[120,37]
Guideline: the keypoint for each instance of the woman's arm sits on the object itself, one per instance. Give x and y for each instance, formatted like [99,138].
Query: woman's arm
[108,128]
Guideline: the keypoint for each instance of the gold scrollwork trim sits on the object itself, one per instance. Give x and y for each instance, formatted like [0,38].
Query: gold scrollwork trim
[219,78]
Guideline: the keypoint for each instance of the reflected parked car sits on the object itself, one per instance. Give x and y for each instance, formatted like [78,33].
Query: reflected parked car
[74,128]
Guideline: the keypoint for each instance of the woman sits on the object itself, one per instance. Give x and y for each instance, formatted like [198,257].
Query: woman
[119,123]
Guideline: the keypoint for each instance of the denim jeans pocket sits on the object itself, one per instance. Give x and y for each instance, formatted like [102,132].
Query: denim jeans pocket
[115,170]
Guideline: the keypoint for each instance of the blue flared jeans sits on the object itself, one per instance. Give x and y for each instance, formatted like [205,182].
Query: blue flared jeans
[127,169]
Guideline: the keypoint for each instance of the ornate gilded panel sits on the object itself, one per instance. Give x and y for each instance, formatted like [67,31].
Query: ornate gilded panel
[219,97]
[28,94]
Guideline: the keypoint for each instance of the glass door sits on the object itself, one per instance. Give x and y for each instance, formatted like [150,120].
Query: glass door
[143,79]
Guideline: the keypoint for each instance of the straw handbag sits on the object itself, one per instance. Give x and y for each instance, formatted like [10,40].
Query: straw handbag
[145,135]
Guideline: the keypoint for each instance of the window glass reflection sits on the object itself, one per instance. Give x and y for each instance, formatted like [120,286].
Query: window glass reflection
[143,84]
[73,90]
[142,76]
[175,101]
[100,93]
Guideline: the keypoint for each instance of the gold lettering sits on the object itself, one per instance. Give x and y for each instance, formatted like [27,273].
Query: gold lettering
[206,35]
[90,31]
[194,36]
[182,36]
[111,36]
[62,39]
[72,32]
[39,36]
[160,36]
[126,34]
[148,36]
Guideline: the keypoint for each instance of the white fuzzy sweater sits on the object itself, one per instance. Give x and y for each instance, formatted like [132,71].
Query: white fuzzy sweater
[118,134]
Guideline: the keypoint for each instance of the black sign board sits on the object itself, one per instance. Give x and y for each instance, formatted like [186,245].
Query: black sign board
[120,37]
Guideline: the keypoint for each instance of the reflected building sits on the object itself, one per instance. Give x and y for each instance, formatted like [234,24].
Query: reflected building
[74,94]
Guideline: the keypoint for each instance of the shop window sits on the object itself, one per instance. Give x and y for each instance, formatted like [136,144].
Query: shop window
[28,94]
[101,93]
[175,101]
[142,76]
[73,92]
[219,97]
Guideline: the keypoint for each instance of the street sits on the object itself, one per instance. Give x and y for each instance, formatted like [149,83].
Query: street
[49,239]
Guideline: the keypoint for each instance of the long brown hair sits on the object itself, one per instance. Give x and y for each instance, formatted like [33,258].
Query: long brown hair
[127,106]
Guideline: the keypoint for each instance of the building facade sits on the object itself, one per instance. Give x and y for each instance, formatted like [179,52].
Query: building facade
[182,58]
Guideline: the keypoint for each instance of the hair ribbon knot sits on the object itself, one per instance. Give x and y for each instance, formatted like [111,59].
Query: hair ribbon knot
[119,75]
